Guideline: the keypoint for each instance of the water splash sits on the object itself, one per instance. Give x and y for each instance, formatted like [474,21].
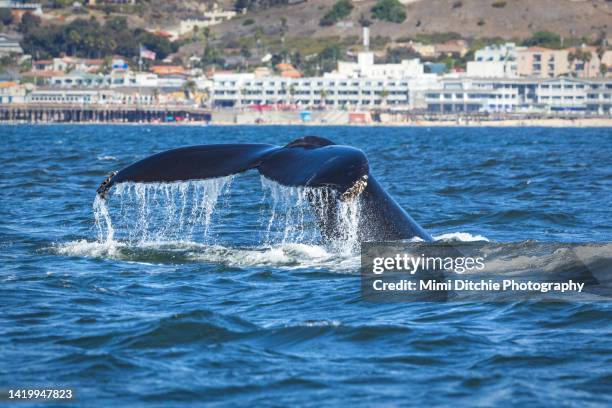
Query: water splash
[296,211]
[145,213]
[159,212]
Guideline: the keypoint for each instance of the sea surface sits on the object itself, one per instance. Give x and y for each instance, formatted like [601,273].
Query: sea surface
[220,293]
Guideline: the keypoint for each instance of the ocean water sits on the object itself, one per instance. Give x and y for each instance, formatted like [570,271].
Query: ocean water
[220,293]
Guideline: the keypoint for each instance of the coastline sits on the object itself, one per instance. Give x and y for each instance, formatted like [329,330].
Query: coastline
[551,123]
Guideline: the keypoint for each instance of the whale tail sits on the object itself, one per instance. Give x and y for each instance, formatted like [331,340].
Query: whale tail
[310,161]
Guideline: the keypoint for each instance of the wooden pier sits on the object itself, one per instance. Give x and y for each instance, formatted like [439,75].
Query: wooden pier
[39,113]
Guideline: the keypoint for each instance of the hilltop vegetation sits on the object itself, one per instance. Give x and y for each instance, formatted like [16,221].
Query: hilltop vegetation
[88,38]
[313,34]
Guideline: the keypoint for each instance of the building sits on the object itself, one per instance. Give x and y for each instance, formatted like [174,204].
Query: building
[12,92]
[424,50]
[366,68]
[560,96]
[19,8]
[495,61]
[585,61]
[452,48]
[599,98]
[244,90]
[214,16]
[68,64]
[542,62]
[9,45]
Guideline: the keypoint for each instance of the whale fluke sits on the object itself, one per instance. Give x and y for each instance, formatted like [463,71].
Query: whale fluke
[310,161]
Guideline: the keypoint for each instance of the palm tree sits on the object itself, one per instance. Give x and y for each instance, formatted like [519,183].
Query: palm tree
[383,96]
[189,87]
[75,39]
[291,92]
[323,96]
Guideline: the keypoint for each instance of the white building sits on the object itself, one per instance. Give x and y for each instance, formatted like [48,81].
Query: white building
[9,45]
[366,68]
[354,85]
[494,61]
[562,96]
[242,90]
[23,6]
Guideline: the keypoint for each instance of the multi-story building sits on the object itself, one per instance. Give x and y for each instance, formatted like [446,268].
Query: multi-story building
[366,68]
[12,92]
[242,90]
[497,60]
[543,62]
[520,95]
[354,85]
[599,97]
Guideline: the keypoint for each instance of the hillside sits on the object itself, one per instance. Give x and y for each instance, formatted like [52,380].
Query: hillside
[470,18]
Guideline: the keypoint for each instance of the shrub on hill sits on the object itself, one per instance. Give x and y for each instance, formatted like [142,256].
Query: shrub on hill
[340,10]
[389,10]
[543,39]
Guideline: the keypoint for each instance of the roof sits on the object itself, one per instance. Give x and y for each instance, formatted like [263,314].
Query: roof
[42,74]
[8,84]
[284,67]
[168,70]
[291,74]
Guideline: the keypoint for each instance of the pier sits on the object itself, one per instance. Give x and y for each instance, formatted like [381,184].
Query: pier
[50,113]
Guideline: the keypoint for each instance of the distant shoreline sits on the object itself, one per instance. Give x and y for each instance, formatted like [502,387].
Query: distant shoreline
[551,123]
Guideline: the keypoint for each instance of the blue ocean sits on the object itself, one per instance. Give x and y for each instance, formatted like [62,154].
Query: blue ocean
[221,293]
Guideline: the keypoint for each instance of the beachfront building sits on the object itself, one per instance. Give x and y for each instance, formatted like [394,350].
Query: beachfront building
[520,95]
[353,85]
[91,97]
[12,93]
[599,97]
[243,90]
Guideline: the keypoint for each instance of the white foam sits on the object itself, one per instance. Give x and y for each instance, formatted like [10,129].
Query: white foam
[107,158]
[460,236]
[88,249]
[288,256]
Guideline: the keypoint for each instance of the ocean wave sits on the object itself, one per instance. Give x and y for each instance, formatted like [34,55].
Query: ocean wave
[106,158]
[287,256]
[460,237]
[585,262]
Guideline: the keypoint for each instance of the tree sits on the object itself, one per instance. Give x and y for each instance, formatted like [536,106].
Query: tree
[389,10]
[189,88]
[323,96]
[339,11]
[384,94]
[544,39]
[211,56]
[6,17]
[603,70]
[363,21]
[292,92]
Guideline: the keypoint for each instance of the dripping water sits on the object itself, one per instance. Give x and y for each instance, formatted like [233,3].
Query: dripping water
[159,212]
[145,213]
[292,216]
